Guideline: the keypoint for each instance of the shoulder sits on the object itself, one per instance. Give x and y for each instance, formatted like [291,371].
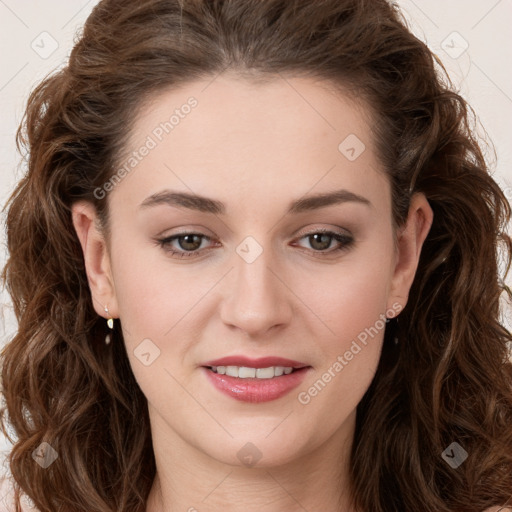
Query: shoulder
[7,497]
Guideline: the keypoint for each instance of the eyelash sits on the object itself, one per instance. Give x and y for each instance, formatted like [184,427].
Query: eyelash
[346,242]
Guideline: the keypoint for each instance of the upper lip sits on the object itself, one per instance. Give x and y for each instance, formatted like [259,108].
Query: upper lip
[261,362]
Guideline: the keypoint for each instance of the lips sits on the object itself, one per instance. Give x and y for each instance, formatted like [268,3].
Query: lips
[223,374]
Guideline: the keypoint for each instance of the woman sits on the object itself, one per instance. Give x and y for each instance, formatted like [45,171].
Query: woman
[254,263]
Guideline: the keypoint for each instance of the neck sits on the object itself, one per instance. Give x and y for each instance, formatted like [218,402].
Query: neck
[187,479]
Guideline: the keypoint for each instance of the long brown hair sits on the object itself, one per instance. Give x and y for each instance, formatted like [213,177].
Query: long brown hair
[448,379]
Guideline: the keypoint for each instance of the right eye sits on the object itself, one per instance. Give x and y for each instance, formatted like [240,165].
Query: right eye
[183,244]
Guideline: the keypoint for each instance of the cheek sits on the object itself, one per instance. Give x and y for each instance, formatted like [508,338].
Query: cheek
[351,349]
[150,295]
[351,298]
[352,308]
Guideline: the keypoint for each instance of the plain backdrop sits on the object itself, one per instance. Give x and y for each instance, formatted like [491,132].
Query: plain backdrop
[471,37]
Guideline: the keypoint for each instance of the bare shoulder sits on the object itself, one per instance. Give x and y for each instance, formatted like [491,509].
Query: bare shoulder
[7,497]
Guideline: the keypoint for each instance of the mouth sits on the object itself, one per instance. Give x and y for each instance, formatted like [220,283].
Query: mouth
[256,380]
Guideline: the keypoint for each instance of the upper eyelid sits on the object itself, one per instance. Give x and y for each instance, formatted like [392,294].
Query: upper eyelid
[301,234]
[338,231]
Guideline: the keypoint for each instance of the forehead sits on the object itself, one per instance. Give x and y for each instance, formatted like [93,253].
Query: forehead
[273,112]
[288,134]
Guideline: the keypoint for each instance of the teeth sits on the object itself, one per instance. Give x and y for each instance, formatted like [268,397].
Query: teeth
[244,372]
[232,371]
[265,373]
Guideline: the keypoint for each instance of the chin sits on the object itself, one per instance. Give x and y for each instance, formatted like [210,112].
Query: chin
[257,448]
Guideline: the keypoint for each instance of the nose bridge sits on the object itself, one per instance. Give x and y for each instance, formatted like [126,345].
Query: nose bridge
[256,299]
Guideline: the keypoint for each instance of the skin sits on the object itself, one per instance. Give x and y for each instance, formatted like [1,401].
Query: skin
[256,148]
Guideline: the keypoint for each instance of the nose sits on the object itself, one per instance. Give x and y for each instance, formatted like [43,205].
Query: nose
[257,298]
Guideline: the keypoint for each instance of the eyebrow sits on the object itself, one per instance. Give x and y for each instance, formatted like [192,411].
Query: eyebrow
[208,205]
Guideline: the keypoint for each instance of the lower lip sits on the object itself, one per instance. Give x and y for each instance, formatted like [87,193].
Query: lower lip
[256,390]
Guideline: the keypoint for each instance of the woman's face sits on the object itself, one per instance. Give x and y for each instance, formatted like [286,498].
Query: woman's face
[216,258]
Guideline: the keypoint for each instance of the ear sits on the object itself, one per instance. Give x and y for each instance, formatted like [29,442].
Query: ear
[410,240]
[96,258]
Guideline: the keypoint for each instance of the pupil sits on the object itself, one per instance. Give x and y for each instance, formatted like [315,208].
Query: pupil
[187,241]
[318,236]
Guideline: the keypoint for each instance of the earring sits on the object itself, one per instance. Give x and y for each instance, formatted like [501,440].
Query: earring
[110,324]
[395,337]
[396,341]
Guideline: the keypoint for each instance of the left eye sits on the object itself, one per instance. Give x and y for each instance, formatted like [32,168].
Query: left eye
[321,240]
[189,244]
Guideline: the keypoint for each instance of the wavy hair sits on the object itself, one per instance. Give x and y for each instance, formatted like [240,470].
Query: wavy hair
[449,378]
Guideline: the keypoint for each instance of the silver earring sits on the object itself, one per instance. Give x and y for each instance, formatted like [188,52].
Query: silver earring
[110,324]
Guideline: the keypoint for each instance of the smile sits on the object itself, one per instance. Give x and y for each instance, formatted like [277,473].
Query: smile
[245,372]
